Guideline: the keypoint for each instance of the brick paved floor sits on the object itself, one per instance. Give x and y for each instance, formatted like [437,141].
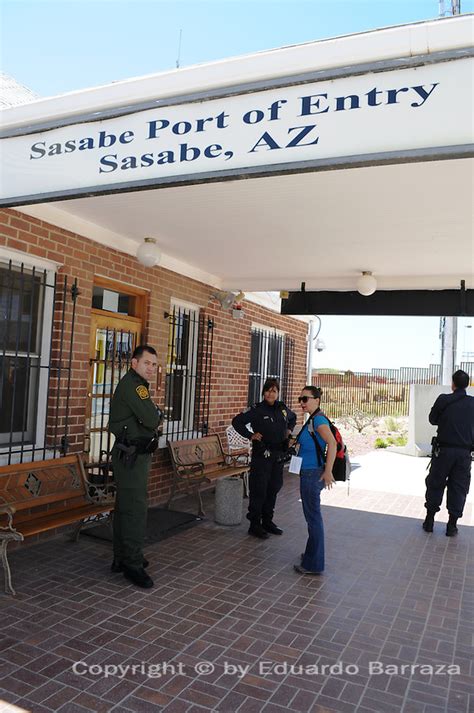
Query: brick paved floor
[390,594]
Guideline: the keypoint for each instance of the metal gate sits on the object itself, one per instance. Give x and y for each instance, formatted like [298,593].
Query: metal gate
[113,339]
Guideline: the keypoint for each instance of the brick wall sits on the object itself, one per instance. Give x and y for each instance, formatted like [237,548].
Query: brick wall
[82,258]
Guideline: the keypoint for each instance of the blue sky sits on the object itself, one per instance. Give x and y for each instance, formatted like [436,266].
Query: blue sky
[55,47]
[363,343]
[58,46]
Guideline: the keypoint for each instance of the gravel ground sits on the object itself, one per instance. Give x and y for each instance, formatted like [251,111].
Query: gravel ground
[358,444]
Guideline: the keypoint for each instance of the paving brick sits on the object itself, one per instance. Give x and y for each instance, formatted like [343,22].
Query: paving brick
[234,600]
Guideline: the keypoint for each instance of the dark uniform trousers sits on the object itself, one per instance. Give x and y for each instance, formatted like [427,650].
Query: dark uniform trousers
[133,421]
[130,510]
[265,482]
[451,468]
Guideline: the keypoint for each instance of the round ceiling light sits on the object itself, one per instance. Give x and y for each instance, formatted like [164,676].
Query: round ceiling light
[149,254]
[366,284]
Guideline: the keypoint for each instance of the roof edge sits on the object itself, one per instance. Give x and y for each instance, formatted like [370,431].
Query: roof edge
[410,40]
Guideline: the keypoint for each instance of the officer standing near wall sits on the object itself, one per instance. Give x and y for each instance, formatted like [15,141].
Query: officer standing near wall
[134,420]
[451,456]
[272,423]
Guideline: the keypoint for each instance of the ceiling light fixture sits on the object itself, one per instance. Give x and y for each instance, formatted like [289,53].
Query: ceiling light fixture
[366,284]
[149,254]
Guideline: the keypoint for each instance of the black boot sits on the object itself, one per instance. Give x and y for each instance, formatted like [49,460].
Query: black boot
[138,577]
[429,522]
[117,566]
[271,527]
[451,529]
[257,530]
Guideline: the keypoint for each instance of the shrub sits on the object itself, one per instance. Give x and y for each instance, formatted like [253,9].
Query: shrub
[400,440]
[359,420]
[391,424]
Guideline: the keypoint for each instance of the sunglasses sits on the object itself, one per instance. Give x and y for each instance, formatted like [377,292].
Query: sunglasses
[305,399]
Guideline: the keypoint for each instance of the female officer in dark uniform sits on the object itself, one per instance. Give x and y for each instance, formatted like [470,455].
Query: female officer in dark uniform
[272,423]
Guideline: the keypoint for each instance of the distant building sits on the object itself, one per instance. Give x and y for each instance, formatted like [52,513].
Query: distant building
[12,93]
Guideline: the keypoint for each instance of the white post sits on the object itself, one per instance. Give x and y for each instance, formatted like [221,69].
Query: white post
[310,356]
[448,349]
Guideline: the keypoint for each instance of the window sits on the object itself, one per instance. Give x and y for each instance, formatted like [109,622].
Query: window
[21,308]
[188,372]
[271,356]
[112,301]
[27,298]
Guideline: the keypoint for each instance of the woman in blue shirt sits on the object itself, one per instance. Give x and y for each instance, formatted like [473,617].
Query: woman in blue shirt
[315,474]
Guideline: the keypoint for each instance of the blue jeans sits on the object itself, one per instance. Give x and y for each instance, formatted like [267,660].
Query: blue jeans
[310,490]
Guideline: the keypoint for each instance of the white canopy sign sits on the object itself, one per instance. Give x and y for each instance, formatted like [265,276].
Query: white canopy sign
[359,116]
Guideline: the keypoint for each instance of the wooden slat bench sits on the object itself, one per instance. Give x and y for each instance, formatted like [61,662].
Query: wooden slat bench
[42,496]
[201,460]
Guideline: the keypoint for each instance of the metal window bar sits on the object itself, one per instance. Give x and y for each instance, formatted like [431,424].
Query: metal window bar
[287,385]
[271,356]
[188,374]
[35,376]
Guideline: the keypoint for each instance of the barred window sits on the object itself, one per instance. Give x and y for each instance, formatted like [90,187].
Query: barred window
[29,303]
[21,309]
[271,356]
[188,373]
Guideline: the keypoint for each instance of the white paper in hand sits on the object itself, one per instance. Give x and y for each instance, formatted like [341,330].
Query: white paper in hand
[295,465]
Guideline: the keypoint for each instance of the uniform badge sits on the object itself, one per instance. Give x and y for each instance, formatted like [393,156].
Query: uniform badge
[142,391]
[285,414]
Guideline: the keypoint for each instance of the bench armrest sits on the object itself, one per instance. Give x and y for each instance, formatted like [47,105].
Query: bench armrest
[97,493]
[236,457]
[8,510]
[100,493]
[197,467]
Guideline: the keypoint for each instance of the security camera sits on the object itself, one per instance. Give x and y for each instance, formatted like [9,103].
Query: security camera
[320,345]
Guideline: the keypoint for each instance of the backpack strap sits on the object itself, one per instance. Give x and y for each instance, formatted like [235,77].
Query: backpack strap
[319,450]
[309,425]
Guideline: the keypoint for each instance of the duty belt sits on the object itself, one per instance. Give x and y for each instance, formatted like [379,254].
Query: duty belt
[443,444]
[145,445]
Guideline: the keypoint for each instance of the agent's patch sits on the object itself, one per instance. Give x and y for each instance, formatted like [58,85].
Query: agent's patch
[142,391]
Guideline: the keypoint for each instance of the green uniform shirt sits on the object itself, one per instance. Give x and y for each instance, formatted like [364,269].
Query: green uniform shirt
[132,407]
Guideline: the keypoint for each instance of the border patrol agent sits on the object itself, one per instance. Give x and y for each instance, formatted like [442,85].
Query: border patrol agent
[134,420]
[451,456]
[272,423]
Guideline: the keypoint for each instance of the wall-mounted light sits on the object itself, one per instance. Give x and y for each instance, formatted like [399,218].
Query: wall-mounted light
[149,254]
[366,284]
[228,299]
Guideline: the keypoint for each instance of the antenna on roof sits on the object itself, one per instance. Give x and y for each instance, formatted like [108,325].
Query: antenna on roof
[179,49]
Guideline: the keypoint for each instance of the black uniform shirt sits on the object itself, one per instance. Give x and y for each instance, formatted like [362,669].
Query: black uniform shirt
[454,416]
[273,422]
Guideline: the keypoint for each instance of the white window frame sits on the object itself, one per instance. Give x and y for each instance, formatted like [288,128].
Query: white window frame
[18,258]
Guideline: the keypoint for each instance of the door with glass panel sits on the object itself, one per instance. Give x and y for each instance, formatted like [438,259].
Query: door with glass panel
[113,339]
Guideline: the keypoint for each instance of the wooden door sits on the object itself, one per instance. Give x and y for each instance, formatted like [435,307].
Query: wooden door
[113,338]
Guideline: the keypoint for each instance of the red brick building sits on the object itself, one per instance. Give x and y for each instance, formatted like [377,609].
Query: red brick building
[58,402]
